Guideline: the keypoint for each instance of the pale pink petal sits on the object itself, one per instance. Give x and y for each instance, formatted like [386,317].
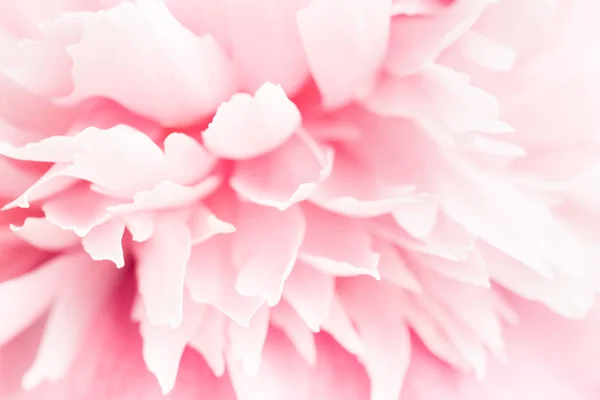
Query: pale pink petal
[43,65]
[140,225]
[52,182]
[247,126]
[285,318]
[472,270]
[340,327]
[275,180]
[102,156]
[187,161]
[15,180]
[53,149]
[21,308]
[310,293]
[162,262]
[210,339]
[265,248]
[485,51]
[265,43]
[435,32]
[337,245]
[392,267]
[164,346]
[477,309]
[78,209]
[16,256]
[167,195]
[246,342]
[448,239]
[204,224]
[282,373]
[571,297]
[104,242]
[81,295]
[111,364]
[354,190]
[185,77]
[419,216]
[44,235]
[345,43]
[519,225]
[386,338]
[438,98]
[416,7]
[211,276]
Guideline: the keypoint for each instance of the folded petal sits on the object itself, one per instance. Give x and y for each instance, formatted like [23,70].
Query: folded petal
[435,32]
[104,242]
[44,235]
[189,80]
[438,98]
[247,126]
[338,246]
[285,176]
[211,276]
[187,161]
[310,293]
[265,248]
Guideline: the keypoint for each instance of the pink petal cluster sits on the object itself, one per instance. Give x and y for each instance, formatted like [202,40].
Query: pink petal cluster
[299,199]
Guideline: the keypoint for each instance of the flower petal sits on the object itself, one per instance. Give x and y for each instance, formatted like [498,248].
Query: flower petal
[345,43]
[83,292]
[162,261]
[247,126]
[336,245]
[276,178]
[190,79]
[265,248]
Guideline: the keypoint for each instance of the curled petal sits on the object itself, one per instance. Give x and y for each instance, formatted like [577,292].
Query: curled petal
[247,126]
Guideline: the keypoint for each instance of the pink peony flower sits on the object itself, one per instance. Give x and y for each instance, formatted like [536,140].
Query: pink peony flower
[299,199]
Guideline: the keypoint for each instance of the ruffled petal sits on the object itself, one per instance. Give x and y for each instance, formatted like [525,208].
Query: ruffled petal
[247,126]
[191,79]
